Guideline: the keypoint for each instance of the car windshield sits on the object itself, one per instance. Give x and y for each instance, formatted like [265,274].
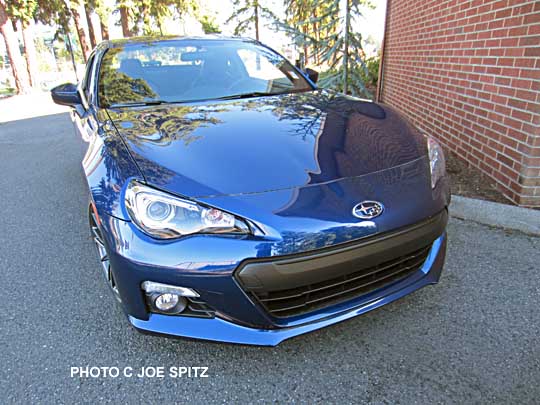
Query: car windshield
[193,70]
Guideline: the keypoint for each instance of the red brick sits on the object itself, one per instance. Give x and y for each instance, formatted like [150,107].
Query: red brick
[514,52]
[531,18]
[532,51]
[530,41]
[517,104]
[517,31]
[534,29]
[470,73]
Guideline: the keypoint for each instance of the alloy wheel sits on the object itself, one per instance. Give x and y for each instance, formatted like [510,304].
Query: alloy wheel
[103,256]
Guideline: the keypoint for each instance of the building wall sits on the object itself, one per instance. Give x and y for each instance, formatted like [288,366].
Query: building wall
[468,73]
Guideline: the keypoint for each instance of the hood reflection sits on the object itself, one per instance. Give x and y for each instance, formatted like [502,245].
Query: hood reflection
[266,143]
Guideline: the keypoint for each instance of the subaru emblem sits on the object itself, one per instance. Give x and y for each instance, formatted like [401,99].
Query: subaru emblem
[368,209]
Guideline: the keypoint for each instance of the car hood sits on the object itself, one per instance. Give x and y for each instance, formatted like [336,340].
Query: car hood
[255,145]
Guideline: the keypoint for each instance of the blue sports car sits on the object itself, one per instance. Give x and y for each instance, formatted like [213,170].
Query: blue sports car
[232,200]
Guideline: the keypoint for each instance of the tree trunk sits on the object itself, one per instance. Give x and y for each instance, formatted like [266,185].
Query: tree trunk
[30,53]
[22,81]
[70,49]
[147,26]
[256,4]
[346,46]
[316,31]
[85,48]
[306,49]
[124,19]
[91,32]
[104,30]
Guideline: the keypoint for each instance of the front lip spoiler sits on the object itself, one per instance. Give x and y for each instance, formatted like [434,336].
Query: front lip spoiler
[220,330]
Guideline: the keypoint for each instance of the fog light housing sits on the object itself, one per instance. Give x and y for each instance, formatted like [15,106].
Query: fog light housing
[168,303]
[167,299]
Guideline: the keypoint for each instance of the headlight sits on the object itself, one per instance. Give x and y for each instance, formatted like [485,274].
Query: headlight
[164,216]
[436,161]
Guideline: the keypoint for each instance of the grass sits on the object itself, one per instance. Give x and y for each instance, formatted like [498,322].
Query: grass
[7,92]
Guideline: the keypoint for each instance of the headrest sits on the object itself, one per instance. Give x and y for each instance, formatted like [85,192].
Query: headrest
[131,67]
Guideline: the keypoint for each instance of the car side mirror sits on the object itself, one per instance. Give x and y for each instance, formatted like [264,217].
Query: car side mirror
[312,74]
[66,94]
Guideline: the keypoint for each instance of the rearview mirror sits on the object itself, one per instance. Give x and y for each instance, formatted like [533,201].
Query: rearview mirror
[312,74]
[66,94]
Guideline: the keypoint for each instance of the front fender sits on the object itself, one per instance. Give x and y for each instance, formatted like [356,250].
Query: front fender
[107,166]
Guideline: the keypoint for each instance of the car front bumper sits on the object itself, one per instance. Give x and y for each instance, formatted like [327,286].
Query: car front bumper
[211,272]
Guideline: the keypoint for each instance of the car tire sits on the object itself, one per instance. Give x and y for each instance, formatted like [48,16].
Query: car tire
[97,238]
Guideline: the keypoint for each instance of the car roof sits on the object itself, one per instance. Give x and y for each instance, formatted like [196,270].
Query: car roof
[116,43]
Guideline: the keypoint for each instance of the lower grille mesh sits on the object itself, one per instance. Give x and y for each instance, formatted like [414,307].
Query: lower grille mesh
[198,308]
[307,298]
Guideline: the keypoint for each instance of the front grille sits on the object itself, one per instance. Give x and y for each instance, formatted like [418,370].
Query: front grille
[307,298]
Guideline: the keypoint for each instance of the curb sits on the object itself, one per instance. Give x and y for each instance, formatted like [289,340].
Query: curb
[495,214]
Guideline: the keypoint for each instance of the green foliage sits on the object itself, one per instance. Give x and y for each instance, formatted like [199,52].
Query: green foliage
[209,25]
[6,91]
[121,87]
[117,87]
[334,43]
[372,76]
[333,78]
[247,14]
[54,11]
[149,15]
[311,18]
[22,10]
[101,8]
[61,47]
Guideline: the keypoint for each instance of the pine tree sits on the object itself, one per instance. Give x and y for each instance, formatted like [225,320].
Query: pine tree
[248,15]
[150,14]
[336,45]
[311,19]
[209,24]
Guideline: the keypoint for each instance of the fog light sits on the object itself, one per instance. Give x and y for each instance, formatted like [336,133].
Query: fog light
[167,299]
[166,302]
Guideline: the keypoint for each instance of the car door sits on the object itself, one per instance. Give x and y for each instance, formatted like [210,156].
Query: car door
[85,117]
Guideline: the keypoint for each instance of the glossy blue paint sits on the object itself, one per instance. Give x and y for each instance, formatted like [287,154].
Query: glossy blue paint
[107,166]
[222,330]
[314,137]
[295,165]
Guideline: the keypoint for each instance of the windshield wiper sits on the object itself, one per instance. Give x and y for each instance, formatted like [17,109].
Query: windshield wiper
[140,103]
[246,95]
[231,97]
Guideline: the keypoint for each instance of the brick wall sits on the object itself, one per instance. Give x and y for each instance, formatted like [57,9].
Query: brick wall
[468,73]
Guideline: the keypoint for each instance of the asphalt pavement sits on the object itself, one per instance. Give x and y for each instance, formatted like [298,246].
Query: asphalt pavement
[474,337]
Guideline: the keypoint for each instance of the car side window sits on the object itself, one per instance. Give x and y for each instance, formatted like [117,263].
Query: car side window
[87,77]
